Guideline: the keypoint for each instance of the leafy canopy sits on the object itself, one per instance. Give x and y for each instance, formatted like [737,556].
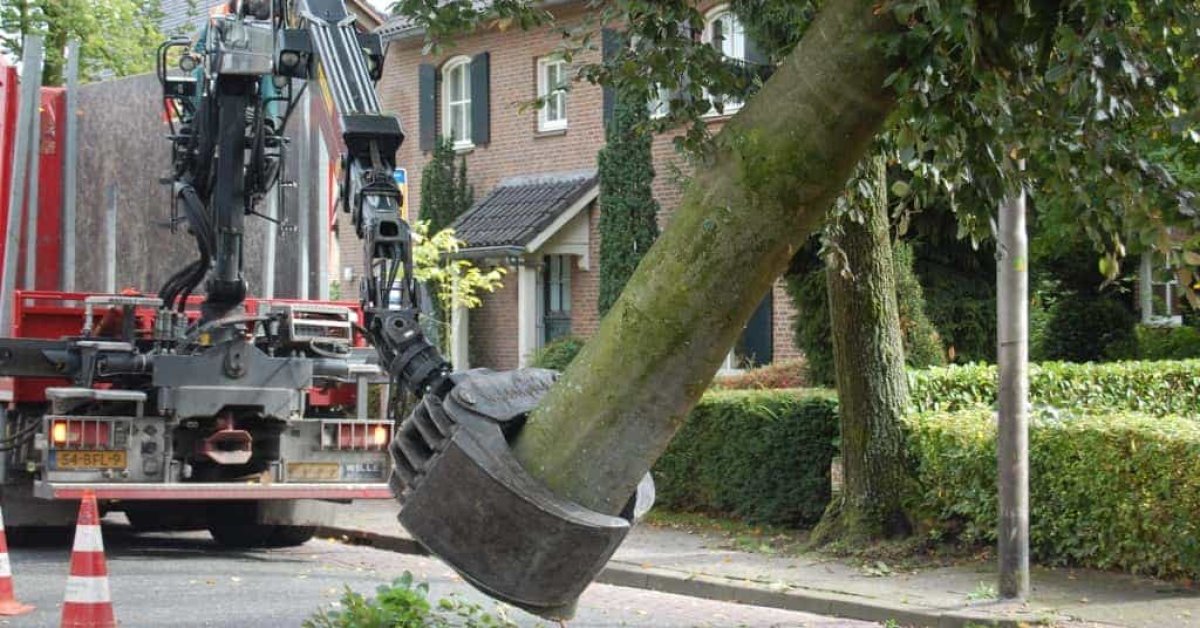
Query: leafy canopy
[117,37]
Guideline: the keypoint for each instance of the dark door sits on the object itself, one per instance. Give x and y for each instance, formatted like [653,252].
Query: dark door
[756,347]
[556,298]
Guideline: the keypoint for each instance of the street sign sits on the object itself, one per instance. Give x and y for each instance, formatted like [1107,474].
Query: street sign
[401,176]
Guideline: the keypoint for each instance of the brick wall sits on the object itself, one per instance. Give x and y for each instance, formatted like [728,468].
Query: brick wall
[493,328]
[518,149]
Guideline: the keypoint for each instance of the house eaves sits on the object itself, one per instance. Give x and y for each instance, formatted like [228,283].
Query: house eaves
[521,214]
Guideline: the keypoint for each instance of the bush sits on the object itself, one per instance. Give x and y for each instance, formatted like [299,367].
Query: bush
[405,604]
[761,456]
[557,355]
[1168,343]
[1088,329]
[783,374]
[1159,388]
[922,343]
[1110,491]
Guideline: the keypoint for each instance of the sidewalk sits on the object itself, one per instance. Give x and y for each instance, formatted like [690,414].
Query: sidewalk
[695,564]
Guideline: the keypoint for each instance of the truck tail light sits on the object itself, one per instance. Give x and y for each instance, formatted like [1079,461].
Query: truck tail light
[355,435]
[81,434]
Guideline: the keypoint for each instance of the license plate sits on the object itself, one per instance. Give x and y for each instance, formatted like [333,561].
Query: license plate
[89,459]
[314,471]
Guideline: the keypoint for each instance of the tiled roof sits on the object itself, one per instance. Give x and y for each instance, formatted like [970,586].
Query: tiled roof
[520,208]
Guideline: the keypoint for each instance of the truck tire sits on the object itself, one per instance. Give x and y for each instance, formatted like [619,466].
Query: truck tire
[260,535]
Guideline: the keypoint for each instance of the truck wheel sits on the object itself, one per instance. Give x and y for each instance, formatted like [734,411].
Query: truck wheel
[242,536]
[261,535]
[292,536]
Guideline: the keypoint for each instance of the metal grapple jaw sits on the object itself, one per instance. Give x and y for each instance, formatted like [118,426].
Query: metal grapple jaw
[468,500]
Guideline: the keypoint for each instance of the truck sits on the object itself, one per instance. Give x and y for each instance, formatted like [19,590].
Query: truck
[200,407]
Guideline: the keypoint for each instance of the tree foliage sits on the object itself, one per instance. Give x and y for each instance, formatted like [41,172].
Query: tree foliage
[628,211]
[445,191]
[454,282]
[117,37]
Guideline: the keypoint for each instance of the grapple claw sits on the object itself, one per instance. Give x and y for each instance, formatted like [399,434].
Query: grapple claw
[472,504]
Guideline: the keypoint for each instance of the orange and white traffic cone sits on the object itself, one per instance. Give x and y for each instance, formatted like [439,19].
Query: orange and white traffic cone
[8,602]
[88,603]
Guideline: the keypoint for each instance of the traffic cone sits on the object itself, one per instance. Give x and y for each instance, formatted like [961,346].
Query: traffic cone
[87,603]
[9,605]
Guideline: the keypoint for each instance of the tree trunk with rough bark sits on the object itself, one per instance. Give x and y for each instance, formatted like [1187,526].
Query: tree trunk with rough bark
[868,354]
[776,169]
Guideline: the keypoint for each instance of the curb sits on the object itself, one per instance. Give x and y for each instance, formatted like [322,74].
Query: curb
[719,589]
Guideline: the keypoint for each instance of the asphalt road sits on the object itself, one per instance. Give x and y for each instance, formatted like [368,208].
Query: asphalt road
[184,579]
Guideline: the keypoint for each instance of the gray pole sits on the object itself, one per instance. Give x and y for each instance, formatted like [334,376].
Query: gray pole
[1012,441]
[304,196]
[272,237]
[33,202]
[31,74]
[70,165]
[110,241]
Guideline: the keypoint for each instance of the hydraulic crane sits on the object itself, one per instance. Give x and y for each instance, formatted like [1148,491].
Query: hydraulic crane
[227,383]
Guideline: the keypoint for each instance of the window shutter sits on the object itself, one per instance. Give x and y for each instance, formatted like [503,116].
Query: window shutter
[481,100]
[610,46]
[427,106]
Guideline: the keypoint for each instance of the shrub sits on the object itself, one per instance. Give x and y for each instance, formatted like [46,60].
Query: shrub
[1111,491]
[1088,329]
[405,604]
[922,343]
[1152,387]
[783,374]
[763,456]
[1168,343]
[557,355]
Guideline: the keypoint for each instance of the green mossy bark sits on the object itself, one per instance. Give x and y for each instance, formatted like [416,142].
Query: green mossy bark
[776,169]
[868,354]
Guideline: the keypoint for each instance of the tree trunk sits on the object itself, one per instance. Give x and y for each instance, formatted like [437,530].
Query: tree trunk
[776,168]
[868,354]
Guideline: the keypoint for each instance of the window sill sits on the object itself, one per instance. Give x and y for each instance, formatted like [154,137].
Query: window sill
[550,132]
[464,148]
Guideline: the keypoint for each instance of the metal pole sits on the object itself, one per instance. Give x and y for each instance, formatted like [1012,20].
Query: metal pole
[31,73]
[1012,441]
[304,196]
[272,238]
[33,204]
[70,168]
[110,242]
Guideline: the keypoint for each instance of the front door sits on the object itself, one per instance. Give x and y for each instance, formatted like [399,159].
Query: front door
[556,297]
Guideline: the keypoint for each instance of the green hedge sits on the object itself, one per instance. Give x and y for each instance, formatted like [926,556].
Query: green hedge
[1106,490]
[763,456]
[1159,388]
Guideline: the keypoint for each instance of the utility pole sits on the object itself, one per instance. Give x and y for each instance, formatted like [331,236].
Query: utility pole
[70,168]
[27,126]
[1012,440]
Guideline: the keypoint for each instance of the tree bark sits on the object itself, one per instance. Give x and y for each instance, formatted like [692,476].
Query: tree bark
[868,355]
[776,168]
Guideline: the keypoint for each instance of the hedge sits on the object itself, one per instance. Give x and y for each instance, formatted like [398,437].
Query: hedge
[1111,491]
[763,456]
[1159,388]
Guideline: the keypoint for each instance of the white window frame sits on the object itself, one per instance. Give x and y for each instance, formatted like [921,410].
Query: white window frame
[552,95]
[458,68]
[733,48]
[660,105]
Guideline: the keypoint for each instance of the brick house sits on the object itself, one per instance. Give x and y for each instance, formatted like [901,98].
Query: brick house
[534,172]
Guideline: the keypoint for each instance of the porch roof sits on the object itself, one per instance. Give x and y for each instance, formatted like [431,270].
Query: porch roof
[522,212]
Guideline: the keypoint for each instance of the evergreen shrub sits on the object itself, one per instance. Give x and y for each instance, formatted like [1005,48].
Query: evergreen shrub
[1108,489]
[762,456]
[1159,388]
[557,355]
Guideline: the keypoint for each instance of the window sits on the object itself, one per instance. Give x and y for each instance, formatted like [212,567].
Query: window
[557,297]
[660,103]
[552,83]
[724,31]
[456,94]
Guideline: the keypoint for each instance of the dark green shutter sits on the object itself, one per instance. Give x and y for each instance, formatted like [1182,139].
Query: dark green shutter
[481,100]
[427,105]
[610,45]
